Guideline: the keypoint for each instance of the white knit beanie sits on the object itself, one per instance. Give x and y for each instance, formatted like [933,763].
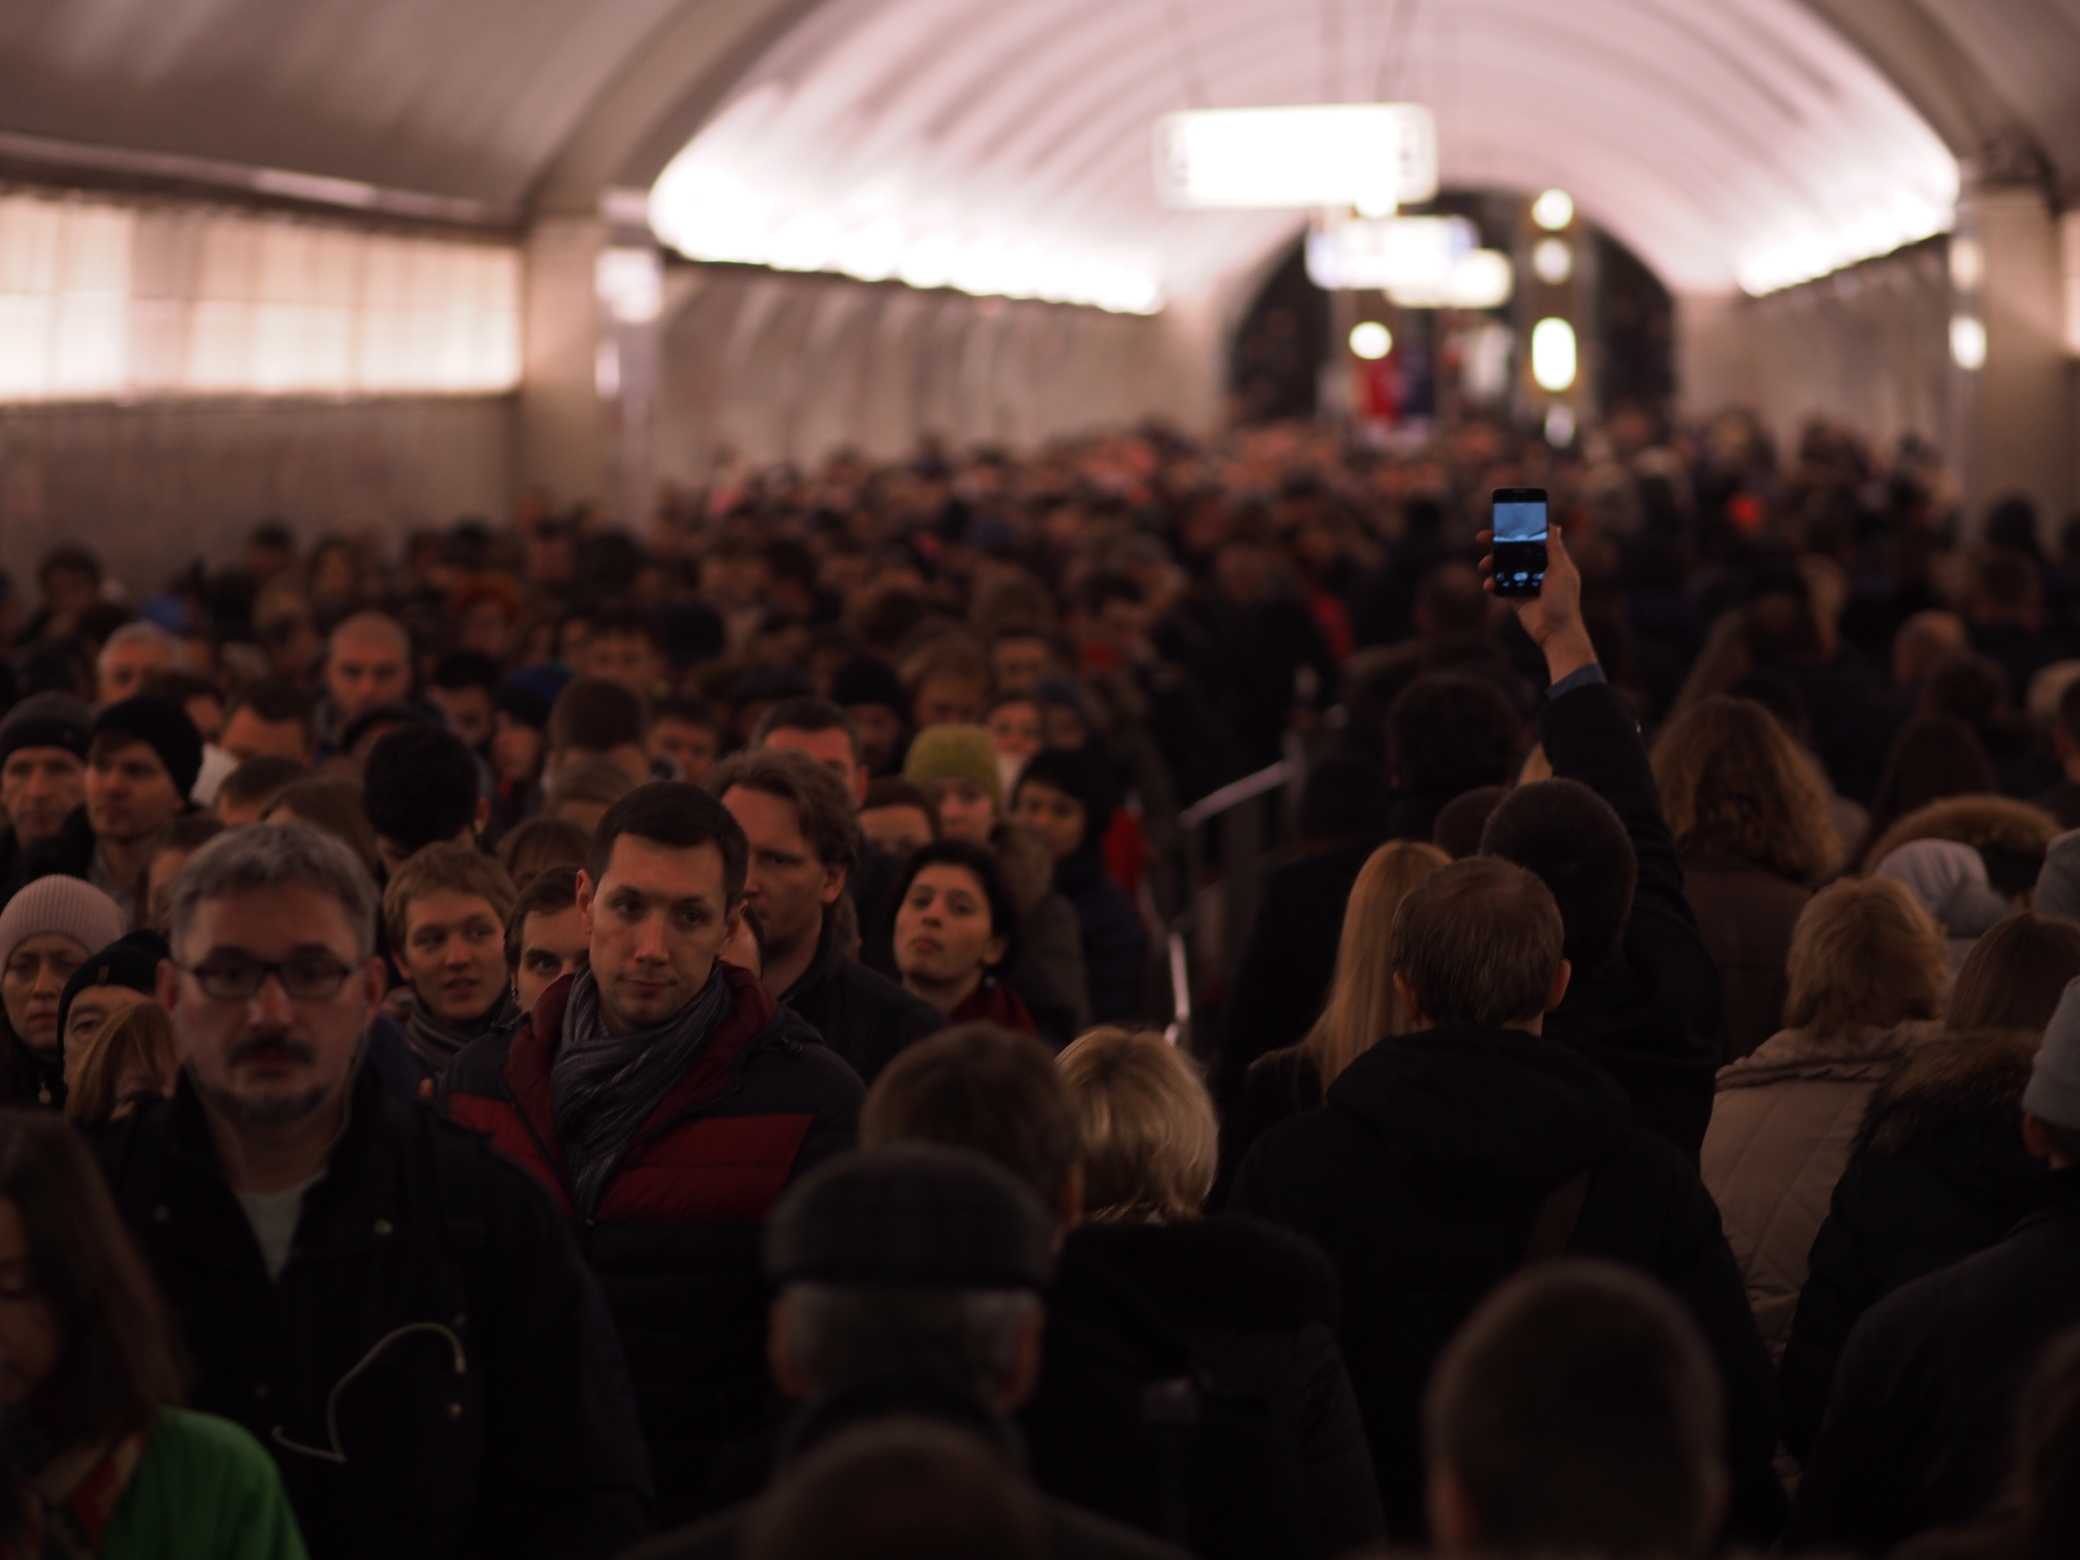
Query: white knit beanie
[68,905]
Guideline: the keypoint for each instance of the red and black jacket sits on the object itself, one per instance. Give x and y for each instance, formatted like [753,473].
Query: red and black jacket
[675,1237]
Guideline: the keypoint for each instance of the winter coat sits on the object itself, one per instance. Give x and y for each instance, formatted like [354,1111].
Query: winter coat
[1919,1423]
[1781,1131]
[1746,914]
[1115,943]
[1650,1014]
[1938,1172]
[1276,1088]
[68,853]
[1422,1177]
[675,1236]
[864,1017]
[1071,1533]
[433,1372]
[1257,1307]
[1046,968]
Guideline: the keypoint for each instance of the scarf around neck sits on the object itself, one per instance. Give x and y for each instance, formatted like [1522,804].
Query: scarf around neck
[437,1043]
[606,1085]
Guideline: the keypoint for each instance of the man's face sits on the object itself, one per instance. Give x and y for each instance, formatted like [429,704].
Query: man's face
[39,787]
[130,796]
[897,830]
[966,811]
[786,889]
[270,1059]
[551,947]
[290,636]
[628,659]
[468,714]
[831,749]
[454,955]
[124,668]
[91,1010]
[367,667]
[654,924]
[692,748]
[246,736]
[516,749]
[880,734]
[1022,664]
[947,700]
[1015,729]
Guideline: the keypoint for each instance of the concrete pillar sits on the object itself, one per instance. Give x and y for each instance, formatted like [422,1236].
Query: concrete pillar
[1715,353]
[2016,411]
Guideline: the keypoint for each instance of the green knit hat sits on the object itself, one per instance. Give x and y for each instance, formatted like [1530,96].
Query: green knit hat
[955,753]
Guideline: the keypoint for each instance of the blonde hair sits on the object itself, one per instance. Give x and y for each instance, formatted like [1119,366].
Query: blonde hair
[1362,1007]
[140,1035]
[1732,780]
[1865,955]
[1151,1142]
[445,869]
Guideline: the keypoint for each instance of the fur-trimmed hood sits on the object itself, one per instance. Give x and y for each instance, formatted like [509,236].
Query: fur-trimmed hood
[1982,822]
[1954,1091]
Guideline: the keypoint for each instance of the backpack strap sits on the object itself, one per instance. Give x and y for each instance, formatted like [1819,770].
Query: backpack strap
[1552,1228]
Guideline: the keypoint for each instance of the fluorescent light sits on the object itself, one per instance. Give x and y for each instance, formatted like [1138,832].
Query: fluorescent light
[1405,252]
[1967,263]
[1553,210]
[1483,279]
[1371,341]
[1552,260]
[1968,342]
[1553,354]
[1375,156]
[630,284]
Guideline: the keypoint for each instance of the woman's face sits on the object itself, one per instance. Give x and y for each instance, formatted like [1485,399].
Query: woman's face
[28,1327]
[944,936]
[1014,729]
[966,812]
[1051,815]
[32,982]
[516,749]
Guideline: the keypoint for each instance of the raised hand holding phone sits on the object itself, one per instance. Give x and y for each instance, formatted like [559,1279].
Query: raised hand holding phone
[1552,619]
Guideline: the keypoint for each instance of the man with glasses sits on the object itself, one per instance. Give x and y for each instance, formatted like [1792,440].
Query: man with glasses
[400,1317]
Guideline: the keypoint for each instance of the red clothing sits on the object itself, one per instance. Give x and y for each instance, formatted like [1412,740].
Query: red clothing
[993,1002]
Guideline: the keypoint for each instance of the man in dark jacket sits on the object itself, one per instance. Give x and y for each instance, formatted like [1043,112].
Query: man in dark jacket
[804,841]
[1446,1158]
[43,772]
[665,1103]
[395,1313]
[1920,1422]
[1645,1000]
[910,1285]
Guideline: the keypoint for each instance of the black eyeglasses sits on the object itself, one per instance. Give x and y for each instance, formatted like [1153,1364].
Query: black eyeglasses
[306,978]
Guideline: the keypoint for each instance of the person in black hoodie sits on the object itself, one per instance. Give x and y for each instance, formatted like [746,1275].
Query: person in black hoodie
[1066,798]
[1447,1157]
[1644,1003]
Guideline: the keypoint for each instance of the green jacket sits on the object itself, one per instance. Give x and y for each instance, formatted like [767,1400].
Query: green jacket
[204,1490]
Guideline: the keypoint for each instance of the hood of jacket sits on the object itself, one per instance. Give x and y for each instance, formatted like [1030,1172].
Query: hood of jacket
[1956,1101]
[1228,1271]
[1493,1102]
[1853,1056]
[1982,822]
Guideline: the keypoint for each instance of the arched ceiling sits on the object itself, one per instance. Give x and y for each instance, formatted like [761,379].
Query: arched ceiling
[1700,132]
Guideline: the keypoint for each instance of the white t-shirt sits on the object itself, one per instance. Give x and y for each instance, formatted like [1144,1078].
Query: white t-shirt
[274,1217]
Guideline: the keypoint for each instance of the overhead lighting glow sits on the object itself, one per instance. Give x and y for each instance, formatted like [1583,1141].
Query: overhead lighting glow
[1967,263]
[630,284]
[1405,252]
[1552,261]
[1553,355]
[1483,279]
[1553,210]
[1374,156]
[1560,425]
[1809,253]
[1371,341]
[1968,342]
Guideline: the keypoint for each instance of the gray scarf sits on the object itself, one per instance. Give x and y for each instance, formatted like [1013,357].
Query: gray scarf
[437,1043]
[606,1085]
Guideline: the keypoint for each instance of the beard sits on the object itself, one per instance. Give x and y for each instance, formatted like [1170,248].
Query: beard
[264,1110]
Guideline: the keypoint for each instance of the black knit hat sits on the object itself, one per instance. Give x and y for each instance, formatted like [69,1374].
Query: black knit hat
[911,1216]
[164,727]
[869,680]
[131,961]
[46,720]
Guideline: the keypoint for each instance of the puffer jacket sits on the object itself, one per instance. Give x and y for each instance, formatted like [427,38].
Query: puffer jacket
[1783,1123]
[1938,1173]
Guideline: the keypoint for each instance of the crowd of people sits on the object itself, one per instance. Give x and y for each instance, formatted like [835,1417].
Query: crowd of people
[568,1041]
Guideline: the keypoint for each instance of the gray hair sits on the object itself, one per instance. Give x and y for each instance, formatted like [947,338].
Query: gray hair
[966,1339]
[276,855]
[139,633]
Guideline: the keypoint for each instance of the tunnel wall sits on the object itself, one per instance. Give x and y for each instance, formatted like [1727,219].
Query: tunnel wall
[153,485]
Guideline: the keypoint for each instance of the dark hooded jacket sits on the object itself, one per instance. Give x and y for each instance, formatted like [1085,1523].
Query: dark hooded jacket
[1937,1173]
[675,1238]
[865,1017]
[1422,1177]
[434,1372]
[1920,1421]
[1115,943]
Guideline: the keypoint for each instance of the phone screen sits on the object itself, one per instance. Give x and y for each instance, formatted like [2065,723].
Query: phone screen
[1518,519]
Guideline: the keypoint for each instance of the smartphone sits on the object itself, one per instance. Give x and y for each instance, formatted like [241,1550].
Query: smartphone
[1518,519]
